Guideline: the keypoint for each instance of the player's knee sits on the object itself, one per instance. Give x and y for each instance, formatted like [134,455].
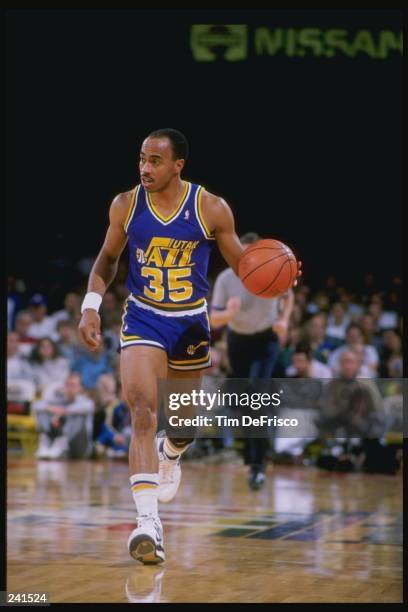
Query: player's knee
[142,410]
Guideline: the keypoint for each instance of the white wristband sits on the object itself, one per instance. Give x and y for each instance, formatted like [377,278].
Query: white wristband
[91,300]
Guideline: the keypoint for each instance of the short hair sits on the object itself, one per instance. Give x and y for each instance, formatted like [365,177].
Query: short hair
[249,238]
[178,141]
[304,347]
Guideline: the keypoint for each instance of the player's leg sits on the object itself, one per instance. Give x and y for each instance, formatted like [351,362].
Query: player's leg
[171,448]
[141,366]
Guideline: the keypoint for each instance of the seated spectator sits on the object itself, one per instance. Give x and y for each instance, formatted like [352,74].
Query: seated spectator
[109,310]
[320,303]
[354,339]
[15,289]
[364,371]
[68,344]
[42,325]
[391,355]
[90,365]
[65,422]
[47,364]
[348,301]
[351,406]
[111,339]
[383,319]
[321,345]
[71,311]
[337,322]
[18,368]
[107,428]
[305,366]
[368,327]
[284,359]
[22,325]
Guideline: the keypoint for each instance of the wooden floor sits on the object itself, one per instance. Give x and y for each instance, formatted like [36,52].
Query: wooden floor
[306,537]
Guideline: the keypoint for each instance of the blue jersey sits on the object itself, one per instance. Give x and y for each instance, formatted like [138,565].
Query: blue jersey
[168,255]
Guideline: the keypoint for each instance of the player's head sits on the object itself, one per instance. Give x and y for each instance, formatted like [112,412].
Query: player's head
[162,157]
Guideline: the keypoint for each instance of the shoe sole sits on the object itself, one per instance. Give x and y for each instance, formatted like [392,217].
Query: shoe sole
[143,549]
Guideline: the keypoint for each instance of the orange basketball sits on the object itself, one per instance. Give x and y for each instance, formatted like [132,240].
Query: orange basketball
[267,268]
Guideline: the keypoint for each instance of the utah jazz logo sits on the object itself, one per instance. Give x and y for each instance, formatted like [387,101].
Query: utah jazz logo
[191,349]
[167,252]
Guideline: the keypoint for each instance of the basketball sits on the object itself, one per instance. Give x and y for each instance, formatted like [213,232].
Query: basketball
[267,268]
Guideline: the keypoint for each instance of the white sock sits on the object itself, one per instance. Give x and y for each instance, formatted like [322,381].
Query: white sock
[145,491]
[171,451]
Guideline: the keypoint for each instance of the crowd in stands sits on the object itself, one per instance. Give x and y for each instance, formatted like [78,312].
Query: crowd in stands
[333,333]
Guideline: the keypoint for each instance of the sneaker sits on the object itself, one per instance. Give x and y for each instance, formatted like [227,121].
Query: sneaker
[59,448]
[146,541]
[256,480]
[44,447]
[169,473]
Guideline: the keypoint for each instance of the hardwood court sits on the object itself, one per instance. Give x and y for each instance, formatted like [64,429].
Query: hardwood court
[306,537]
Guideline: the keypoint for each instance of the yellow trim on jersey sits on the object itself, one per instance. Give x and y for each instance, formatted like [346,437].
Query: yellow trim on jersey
[200,214]
[187,361]
[131,208]
[168,305]
[174,213]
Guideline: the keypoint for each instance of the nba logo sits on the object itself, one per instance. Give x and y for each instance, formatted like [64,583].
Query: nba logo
[187,215]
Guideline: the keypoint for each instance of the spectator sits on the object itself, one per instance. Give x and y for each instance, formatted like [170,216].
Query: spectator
[368,327]
[42,326]
[109,310]
[71,311]
[18,367]
[25,341]
[47,364]
[90,365]
[109,439]
[285,355]
[351,407]
[383,319]
[111,339]
[319,303]
[391,354]
[65,422]
[355,338]
[321,345]
[337,322]
[67,343]
[305,366]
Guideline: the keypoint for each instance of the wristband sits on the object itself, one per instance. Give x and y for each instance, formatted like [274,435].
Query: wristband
[91,300]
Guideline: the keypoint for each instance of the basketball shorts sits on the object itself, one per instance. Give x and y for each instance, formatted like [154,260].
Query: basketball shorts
[186,339]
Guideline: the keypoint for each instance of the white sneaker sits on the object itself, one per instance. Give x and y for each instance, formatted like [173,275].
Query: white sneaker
[146,541]
[169,473]
[59,448]
[44,447]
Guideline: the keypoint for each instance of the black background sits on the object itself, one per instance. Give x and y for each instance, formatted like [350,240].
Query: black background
[305,150]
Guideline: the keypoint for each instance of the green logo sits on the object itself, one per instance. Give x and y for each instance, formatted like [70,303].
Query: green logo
[214,42]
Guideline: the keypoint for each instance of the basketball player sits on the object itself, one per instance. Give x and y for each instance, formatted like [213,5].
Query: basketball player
[170,225]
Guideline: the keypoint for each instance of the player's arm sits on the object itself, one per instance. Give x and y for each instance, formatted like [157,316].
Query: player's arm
[104,269]
[220,220]
[281,324]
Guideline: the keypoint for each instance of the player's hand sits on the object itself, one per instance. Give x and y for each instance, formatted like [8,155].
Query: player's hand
[90,329]
[234,305]
[280,327]
[299,273]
